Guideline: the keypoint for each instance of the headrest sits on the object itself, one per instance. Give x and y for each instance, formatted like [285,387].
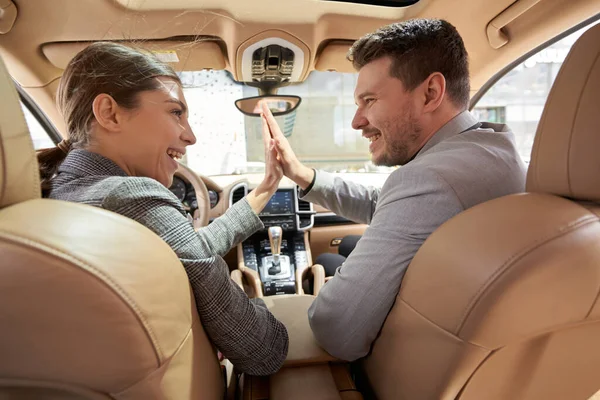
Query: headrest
[19,175]
[565,159]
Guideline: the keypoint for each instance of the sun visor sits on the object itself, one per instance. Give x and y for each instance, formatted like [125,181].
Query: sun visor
[333,57]
[181,55]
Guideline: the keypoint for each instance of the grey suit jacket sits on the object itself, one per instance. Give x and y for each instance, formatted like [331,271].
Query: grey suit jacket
[458,168]
[244,331]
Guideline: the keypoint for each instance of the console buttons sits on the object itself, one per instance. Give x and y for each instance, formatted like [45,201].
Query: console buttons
[301,259]
[280,287]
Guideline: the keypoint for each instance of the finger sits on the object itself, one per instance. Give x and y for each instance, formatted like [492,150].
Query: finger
[282,150]
[273,125]
[266,132]
[277,155]
[275,161]
[283,147]
[270,149]
[273,154]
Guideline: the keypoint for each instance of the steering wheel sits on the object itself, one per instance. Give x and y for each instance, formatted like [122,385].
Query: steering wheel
[201,215]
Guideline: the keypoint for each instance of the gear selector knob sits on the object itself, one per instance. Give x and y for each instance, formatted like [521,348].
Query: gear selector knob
[275,237]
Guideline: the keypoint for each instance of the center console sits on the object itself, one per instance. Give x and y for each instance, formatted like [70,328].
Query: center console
[280,252]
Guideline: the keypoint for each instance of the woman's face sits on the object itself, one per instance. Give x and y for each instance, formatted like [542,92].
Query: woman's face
[156,133]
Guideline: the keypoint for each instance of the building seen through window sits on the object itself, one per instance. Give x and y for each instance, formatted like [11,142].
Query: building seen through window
[518,98]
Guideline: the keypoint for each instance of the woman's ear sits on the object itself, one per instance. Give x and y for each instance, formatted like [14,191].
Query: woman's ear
[106,111]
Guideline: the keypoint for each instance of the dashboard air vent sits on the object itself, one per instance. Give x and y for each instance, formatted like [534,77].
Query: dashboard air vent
[303,205]
[238,194]
[306,221]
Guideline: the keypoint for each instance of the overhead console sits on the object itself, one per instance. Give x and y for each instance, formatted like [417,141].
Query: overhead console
[272,58]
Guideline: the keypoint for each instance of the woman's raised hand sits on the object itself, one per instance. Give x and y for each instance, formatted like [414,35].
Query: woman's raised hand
[260,196]
[273,167]
[292,167]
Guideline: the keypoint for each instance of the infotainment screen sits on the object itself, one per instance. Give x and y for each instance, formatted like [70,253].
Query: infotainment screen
[282,202]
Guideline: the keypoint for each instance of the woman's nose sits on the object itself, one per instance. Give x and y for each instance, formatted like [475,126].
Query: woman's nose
[188,135]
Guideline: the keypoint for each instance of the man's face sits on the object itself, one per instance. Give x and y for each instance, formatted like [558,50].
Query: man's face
[386,114]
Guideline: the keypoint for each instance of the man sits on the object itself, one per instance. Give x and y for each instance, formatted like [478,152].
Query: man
[412,95]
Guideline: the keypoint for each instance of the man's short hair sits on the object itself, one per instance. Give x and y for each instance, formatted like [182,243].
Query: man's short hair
[418,48]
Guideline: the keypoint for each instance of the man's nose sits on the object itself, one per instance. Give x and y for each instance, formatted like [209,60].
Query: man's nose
[359,121]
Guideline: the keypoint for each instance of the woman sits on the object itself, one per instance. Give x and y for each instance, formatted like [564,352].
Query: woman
[128,123]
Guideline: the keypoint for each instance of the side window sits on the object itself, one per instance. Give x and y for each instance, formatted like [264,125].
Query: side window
[40,137]
[518,98]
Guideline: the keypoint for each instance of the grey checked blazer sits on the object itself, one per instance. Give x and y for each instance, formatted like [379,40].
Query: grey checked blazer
[243,330]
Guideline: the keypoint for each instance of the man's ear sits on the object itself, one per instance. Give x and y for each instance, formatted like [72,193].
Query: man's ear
[434,88]
[107,112]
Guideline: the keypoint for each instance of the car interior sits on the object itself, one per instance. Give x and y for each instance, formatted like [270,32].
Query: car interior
[501,302]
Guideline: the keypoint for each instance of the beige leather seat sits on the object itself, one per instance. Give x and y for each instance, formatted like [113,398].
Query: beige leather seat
[502,302]
[92,304]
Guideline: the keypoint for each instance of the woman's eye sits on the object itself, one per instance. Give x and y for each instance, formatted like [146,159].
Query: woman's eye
[177,113]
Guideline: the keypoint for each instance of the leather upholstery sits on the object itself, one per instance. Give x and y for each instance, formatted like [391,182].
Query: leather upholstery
[19,177]
[92,305]
[318,278]
[502,301]
[292,311]
[309,372]
[564,159]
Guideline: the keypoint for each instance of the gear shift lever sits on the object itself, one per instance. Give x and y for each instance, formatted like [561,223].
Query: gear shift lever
[275,234]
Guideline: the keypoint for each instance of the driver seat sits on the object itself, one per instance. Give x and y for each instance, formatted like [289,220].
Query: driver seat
[503,300]
[93,305]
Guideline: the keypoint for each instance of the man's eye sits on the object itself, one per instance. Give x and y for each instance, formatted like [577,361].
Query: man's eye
[368,101]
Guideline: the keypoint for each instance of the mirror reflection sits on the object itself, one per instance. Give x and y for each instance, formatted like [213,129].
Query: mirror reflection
[279,105]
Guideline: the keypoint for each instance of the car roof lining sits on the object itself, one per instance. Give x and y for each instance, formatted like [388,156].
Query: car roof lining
[35,58]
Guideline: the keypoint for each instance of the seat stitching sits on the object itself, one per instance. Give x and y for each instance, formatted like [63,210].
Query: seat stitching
[587,315]
[15,237]
[175,353]
[518,255]
[571,133]
[4,169]
[440,327]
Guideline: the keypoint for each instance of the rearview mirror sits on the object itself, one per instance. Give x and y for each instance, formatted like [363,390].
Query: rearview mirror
[279,105]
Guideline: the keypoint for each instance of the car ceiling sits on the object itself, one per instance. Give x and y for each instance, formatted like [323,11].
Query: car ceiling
[213,33]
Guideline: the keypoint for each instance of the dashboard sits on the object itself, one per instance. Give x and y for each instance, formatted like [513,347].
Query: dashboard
[281,203]
[284,208]
[185,192]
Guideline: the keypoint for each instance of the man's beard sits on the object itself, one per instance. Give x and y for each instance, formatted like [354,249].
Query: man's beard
[400,149]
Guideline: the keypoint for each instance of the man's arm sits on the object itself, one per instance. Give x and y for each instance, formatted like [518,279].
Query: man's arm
[350,200]
[347,199]
[245,332]
[350,309]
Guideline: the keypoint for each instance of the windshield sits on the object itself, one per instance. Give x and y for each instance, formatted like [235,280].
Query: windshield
[319,131]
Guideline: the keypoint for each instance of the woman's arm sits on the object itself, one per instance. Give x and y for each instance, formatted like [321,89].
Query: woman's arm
[241,220]
[231,228]
[246,333]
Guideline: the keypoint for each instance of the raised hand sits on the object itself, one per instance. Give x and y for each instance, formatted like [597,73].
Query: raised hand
[292,167]
[259,197]
[273,168]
